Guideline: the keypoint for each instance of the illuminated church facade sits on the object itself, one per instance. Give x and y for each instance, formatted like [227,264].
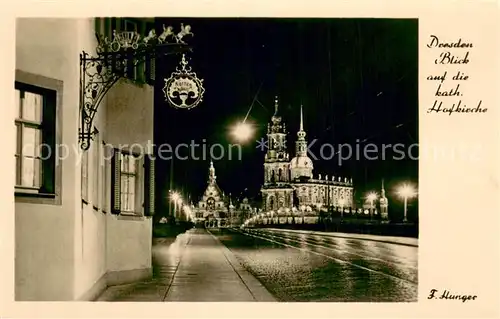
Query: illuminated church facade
[217,210]
[289,184]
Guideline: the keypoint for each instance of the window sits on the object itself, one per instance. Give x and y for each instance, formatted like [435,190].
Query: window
[115,24]
[132,184]
[104,178]
[29,139]
[128,179]
[130,25]
[210,203]
[142,72]
[37,101]
[85,176]
[108,32]
[96,167]
[150,64]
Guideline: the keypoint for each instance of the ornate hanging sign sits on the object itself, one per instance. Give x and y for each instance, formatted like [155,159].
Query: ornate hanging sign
[183,89]
[119,57]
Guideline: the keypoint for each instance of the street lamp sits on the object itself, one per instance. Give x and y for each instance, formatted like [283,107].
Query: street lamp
[181,206]
[243,131]
[176,198]
[372,196]
[406,191]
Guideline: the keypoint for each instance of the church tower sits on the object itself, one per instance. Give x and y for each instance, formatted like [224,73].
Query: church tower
[384,204]
[211,173]
[301,165]
[212,209]
[276,165]
[276,138]
[277,193]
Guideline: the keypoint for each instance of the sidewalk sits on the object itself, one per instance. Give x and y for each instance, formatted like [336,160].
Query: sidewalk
[194,267]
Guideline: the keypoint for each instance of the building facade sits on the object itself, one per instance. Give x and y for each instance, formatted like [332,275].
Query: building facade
[216,210]
[82,218]
[289,185]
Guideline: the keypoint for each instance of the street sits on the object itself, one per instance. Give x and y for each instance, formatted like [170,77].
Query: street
[276,265]
[302,267]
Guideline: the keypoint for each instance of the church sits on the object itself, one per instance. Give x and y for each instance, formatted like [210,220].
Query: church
[290,184]
[216,210]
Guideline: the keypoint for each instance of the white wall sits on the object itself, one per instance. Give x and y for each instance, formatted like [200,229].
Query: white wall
[127,248]
[129,125]
[63,251]
[44,233]
[129,114]
[89,224]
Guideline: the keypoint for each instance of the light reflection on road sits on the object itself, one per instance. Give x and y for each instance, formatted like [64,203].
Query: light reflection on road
[312,267]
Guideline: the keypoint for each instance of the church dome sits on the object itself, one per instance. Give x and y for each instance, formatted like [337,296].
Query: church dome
[301,162]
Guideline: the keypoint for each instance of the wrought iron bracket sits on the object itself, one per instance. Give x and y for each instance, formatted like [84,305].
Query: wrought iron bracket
[117,59]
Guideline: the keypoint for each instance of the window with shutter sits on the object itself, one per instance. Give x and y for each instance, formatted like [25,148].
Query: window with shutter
[128,180]
[132,189]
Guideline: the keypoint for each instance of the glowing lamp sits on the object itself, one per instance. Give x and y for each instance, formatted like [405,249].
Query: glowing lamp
[242,131]
[371,196]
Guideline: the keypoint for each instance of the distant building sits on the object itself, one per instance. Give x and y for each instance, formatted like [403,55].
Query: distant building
[216,210]
[289,185]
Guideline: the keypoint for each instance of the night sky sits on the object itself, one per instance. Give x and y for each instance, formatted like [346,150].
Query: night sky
[356,78]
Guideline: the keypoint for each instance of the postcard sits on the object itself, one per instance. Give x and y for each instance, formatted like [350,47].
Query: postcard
[250,159]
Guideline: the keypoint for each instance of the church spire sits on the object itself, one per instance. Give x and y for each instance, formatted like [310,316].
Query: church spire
[301,143]
[383,190]
[301,119]
[276,105]
[211,172]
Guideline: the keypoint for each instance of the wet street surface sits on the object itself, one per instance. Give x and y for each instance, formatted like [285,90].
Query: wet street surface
[316,267]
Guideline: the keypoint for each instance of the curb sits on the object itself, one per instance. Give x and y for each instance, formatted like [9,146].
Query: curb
[258,291]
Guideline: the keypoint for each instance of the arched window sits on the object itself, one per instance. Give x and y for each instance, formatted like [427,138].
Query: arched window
[211,203]
[272,176]
[280,175]
[271,202]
